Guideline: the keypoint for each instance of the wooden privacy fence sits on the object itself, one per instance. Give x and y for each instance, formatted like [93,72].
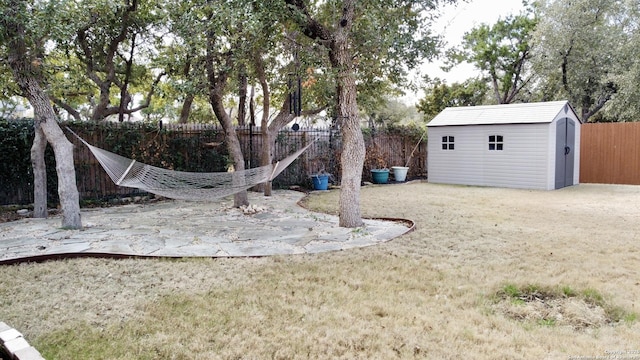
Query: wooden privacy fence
[198,147]
[324,154]
[610,153]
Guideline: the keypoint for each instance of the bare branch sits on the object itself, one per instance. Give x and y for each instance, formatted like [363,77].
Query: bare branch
[68,108]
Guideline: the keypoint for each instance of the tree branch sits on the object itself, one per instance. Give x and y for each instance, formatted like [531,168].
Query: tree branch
[152,90]
[310,27]
[565,67]
[68,108]
[603,98]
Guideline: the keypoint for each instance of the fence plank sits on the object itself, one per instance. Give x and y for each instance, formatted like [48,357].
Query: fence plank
[610,153]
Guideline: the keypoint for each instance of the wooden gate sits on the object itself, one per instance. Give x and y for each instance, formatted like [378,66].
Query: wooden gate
[610,153]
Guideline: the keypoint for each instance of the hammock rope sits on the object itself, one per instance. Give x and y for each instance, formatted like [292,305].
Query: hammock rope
[182,185]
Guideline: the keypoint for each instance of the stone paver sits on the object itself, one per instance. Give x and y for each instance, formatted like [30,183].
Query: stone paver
[15,345]
[29,353]
[193,229]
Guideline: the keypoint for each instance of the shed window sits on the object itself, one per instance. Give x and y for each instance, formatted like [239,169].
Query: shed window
[496,142]
[447,143]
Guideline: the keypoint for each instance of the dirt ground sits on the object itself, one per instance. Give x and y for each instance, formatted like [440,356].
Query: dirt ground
[434,293]
[8,214]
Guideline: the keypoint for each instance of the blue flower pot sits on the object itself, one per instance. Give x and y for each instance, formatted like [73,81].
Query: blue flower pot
[380,176]
[320,182]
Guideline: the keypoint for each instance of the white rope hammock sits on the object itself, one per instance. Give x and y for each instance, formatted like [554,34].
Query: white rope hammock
[184,185]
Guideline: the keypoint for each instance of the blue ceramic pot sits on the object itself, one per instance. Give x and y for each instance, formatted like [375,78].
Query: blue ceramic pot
[380,176]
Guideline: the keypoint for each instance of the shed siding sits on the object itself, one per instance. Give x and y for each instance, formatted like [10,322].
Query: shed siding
[524,162]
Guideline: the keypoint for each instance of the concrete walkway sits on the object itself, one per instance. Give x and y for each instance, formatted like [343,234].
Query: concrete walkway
[272,225]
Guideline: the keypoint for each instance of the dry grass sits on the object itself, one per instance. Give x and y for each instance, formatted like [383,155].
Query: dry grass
[430,294]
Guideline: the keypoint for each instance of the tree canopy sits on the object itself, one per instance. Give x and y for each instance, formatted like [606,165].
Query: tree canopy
[128,58]
[582,51]
[501,52]
[367,42]
[439,95]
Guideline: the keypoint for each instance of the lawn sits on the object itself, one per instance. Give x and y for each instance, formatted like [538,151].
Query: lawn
[487,274]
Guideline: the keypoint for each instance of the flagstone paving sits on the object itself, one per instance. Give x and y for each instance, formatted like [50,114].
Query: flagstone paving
[171,228]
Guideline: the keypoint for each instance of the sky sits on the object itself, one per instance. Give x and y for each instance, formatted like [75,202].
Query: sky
[454,22]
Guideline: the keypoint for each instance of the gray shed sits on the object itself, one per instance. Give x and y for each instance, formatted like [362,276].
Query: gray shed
[530,146]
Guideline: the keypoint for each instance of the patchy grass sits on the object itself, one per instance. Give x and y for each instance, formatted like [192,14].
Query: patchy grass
[551,306]
[478,259]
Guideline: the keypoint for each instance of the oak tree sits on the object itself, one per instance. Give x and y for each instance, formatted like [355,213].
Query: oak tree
[502,53]
[584,51]
[23,35]
[365,41]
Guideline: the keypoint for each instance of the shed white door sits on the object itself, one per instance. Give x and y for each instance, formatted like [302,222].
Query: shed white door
[565,152]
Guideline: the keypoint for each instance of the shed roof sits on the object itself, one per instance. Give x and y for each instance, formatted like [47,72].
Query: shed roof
[522,113]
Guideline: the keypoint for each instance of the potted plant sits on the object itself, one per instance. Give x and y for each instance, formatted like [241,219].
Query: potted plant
[380,176]
[319,177]
[320,180]
[377,165]
[400,172]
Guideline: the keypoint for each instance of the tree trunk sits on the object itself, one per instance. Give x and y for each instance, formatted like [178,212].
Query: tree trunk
[186,109]
[217,83]
[235,150]
[67,187]
[353,150]
[337,41]
[231,137]
[268,138]
[28,75]
[62,149]
[266,157]
[242,96]
[188,101]
[353,154]
[39,173]
[266,154]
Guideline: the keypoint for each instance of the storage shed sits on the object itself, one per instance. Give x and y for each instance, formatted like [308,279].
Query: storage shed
[530,146]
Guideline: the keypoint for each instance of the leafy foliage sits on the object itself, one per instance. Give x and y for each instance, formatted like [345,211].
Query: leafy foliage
[143,142]
[501,52]
[16,172]
[15,141]
[439,95]
[393,113]
[583,52]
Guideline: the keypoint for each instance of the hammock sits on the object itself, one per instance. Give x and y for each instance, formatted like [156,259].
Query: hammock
[183,185]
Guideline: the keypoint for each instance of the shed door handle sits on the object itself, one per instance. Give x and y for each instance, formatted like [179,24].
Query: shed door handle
[567,150]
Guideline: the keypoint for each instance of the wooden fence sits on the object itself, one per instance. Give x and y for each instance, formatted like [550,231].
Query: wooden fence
[324,153]
[202,148]
[610,153]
